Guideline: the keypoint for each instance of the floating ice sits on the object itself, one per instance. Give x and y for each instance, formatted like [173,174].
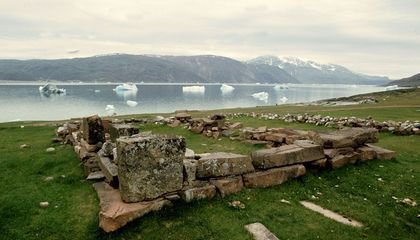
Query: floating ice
[278,87]
[392,87]
[226,89]
[131,103]
[97,91]
[126,87]
[283,99]
[50,89]
[110,109]
[262,96]
[194,89]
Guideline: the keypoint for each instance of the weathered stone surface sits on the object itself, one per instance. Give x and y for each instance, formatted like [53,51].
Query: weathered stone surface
[109,169]
[190,168]
[199,193]
[107,149]
[276,137]
[332,152]
[318,164]
[149,166]
[90,165]
[352,137]
[342,160]
[273,176]
[189,153]
[383,153]
[260,232]
[114,213]
[183,116]
[98,175]
[119,130]
[287,155]
[89,147]
[236,125]
[367,153]
[93,130]
[227,186]
[223,164]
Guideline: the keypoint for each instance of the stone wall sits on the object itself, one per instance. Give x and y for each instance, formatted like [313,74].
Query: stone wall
[143,172]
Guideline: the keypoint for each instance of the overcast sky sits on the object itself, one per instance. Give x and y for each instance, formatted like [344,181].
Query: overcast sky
[369,36]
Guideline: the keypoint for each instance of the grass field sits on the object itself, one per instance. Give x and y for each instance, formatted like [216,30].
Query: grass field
[353,191]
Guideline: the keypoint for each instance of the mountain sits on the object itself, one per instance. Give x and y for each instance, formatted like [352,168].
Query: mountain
[413,81]
[312,72]
[143,68]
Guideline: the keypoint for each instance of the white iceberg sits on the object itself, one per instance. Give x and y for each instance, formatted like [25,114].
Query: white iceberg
[262,96]
[49,89]
[226,89]
[126,87]
[283,99]
[392,87]
[131,103]
[279,87]
[194,89]
[97,91]
[110,109]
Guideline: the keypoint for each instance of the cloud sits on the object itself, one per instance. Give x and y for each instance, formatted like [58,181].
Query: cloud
[372,36]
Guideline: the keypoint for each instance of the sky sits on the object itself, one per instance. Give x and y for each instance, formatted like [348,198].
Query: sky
[377,37]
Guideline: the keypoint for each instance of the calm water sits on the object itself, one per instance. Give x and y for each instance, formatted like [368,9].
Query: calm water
[24,102]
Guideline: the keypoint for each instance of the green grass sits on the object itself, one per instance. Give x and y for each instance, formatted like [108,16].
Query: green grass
[353,191]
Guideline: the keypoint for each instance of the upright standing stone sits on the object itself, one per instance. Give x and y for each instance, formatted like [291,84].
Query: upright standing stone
[93,130]
[149,166]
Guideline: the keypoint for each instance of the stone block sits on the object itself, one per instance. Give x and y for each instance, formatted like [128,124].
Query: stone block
[332,152]
[109,169]
[352,137]
[114,213]
[367,153]
[89,147]
[342,160]
[149,166]
[383,153]
[274,176]
[90,165]
[276,137]
[190,170]
[223,164]
[287,155]
[198,193]
[93,130]
[120,130]
[227,186]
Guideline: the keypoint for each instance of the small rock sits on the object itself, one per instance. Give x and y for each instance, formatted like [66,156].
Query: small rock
[284,201]
[409,201]
[21,126]
[237,204]
[44,204]
[380,180]
[24,146]
[50,178]
[50,149]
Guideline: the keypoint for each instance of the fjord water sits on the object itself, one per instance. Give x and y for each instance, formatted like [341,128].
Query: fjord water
[24,101]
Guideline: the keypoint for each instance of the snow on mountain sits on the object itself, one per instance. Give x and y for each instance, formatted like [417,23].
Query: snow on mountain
[307,71]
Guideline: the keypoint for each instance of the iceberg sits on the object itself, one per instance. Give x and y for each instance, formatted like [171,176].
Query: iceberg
[131,103]
[279,87]
[262,96]
[226,89]
[194,89]
[283,99]
[126,87]
[392,87]
[50,89]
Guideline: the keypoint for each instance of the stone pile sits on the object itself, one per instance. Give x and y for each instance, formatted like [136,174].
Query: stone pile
[398,128]
[145,172]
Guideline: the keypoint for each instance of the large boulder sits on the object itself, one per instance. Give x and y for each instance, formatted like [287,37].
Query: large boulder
[149,166]
[93,130]
[300,152]
[223,164]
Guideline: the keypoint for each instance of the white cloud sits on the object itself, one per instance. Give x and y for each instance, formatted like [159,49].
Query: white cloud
[371,36]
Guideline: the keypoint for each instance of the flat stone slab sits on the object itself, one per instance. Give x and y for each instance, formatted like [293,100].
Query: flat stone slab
[382,153]
[260,232]
[150,166]
[114,213]
[342,160]
[273,176]
[98,175]
[223,164]
[198,193]
[330,214]
[352,137]
[303,151]
[109,169]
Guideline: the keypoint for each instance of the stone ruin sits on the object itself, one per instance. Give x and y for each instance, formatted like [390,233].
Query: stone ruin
[137,173]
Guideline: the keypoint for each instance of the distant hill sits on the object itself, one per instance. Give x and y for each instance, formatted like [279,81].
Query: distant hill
[413,81]
[312,72]
[142,68]
[179,69]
